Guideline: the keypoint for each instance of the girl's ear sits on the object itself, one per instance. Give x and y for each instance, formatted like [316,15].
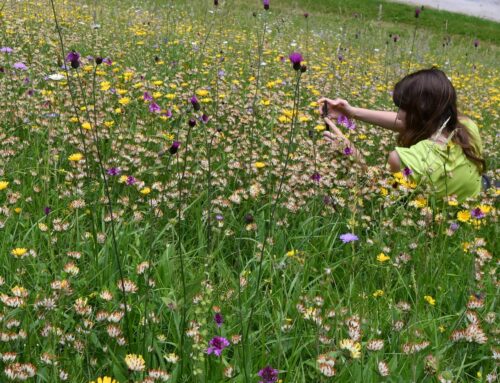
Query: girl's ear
[394,162]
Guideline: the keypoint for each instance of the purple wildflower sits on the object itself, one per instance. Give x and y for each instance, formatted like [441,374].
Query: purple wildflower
[348,237]
[219,217]
[154,108]
[216,2]
[266,4]
[98,60]
[204,118]
[6,50]
[477,213]
[20,65]
[417,12]
[47,210]
[476,43]
[347,151]
[113,171]
[131,180]
[341,58]
[268,375]
[306,15]
[147,96]
[218,319]
[454,226]
[216,345]
[74,59]
[174,148]
[346,122]
[107,61]
[196,104]
[296,59]
[316,177]
[407,171]
[192,122]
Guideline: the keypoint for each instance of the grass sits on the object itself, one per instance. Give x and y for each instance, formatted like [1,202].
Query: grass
[437,21]
[231,222]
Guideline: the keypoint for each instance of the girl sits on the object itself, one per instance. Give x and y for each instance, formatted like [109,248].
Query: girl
[435,145]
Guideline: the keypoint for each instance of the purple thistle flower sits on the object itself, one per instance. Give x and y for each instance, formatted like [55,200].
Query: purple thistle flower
[266,4]
[407,171]
[218,319]
[47,210]
[98,60]
[113,171]
[341,58]
[192,122]
[216,2]
[196,104]
[316,177]
[477,213]
[168,113]
[20,65]
[348,237]
[347,151]
[295,59]
[147,96]
[216,345]
[204,118]
[268,375]
[107,61]
[454,226]
[6,50]
[417,12]
[74,59]
[154,108]
[306,15]
[131,180]
[174,148]
[476,43]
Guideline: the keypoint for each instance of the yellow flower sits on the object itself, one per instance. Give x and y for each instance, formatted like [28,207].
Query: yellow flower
[319,128]
[73,119]
[259,165]
[382,257]
[19,252]
[105,85]
[430,300]
[145,191]
[75,157]
[420,202]
[18,210]
[291,253]
[378,293]
[202,92]
[383,191]
[485,209]
[109,124]
[124,100]
[265,102]
[3,185]
[158,82]
[353,347]
[105,379]
[463,216]
[86,126]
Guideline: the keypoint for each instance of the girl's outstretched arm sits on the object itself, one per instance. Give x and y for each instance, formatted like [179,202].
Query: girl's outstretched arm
[385,119]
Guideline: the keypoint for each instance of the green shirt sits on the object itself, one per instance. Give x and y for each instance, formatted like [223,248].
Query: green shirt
[428,160]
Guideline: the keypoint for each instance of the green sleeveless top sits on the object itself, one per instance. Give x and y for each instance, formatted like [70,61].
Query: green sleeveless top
[428,160]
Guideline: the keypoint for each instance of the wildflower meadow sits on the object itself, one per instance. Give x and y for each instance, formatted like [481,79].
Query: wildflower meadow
[170,210]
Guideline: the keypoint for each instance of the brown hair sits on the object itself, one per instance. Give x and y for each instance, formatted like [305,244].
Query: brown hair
[429,99]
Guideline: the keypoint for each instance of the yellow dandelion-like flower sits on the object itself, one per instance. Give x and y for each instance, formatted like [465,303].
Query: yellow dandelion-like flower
[259,165]
[202,92]
[265,102]
[75,157]
[124,101]
[18,210]
[291,253]
[319,128]
[86,126]
[382,257]
[485,209]
[430,300]
[105,379]
[145,191]
[109,124]
[3,185]
[463,216]
[73,119]
[158,82]
[19,252]
[378,293]
[353,347]
[105,85]
[135,362]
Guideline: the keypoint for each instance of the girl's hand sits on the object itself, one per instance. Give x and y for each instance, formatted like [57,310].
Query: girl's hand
[336,107]
[335,134]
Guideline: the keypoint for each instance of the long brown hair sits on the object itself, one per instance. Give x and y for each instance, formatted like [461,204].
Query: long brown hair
[429,99]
